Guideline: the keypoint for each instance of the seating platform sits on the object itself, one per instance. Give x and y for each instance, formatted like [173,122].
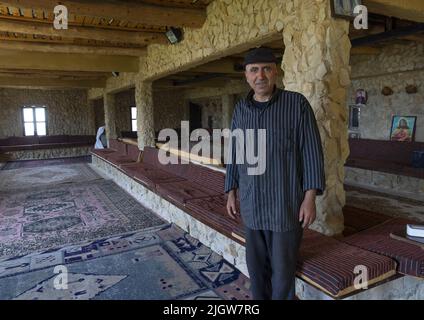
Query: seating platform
[409,258]
[119,153]
[196,191]
[45,142]
[330,264]
[393,157]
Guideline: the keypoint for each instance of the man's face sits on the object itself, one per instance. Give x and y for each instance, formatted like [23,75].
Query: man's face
[261,77]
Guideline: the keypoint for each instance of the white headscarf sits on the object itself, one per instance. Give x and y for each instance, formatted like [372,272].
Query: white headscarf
[99,144]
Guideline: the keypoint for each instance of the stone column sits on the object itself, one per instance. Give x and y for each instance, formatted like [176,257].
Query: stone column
[92,116]
[316,64]
[110,116]
[145,123]
[227,110]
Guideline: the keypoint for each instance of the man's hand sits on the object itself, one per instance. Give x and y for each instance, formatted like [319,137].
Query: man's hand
[307,212]
[231,204]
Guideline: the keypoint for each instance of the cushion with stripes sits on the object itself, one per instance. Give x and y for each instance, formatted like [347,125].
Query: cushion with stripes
[331,265]
[212,211]
[180,192]
[410,258]
[149,175]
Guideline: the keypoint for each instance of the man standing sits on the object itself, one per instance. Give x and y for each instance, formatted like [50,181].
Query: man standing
[277,204]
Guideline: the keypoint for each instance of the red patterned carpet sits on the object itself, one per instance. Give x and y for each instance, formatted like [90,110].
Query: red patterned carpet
[40,218]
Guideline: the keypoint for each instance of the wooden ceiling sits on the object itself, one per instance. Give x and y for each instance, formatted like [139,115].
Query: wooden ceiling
[106,35]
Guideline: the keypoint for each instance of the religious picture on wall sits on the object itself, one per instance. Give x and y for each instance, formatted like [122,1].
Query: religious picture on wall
[344,8]
[403,128]
[361,96]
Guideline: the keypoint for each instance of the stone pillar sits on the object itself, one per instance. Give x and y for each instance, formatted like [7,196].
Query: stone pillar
[316,64]
[91,115]
[227,110]
[145,123]
[110,116]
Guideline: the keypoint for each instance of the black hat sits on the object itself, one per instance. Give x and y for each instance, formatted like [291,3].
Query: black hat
[259,55]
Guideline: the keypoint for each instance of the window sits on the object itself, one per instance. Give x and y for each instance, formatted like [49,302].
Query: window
[133,118]
[34,121]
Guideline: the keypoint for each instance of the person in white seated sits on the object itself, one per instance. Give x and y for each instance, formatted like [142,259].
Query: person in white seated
[100,138]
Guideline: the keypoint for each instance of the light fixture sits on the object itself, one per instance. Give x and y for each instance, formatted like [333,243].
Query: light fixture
[174,35]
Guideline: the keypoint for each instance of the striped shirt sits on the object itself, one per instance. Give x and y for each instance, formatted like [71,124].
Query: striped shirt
[294,161]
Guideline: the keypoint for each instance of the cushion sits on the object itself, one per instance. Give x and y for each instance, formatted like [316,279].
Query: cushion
[82,139]
[205,176]
[182,191]
[53,139]
[118,146]
[212,211]
[329,264]
[356,220]
[150,156]
[5,142]
[149,175]
[117,158]
[133,152]
[410,258]
[17,141]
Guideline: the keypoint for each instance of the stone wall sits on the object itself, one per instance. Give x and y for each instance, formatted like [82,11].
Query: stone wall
[211,107]
[396,67]
[99,112]
[169,109]
[123,102]
[67,111]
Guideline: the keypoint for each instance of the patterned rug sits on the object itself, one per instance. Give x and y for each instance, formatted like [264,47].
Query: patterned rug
[48,162]
[395,206]
[159,263]
[67,213]
[30,178]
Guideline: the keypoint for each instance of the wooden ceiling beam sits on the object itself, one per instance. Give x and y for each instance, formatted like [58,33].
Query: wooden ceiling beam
[13,44]
[67,62]
[78,21]
[130,11]
[7,81]
[81,74]
[404,9]
[139,38]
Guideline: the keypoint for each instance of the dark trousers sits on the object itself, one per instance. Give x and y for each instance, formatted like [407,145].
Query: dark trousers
[271,261]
